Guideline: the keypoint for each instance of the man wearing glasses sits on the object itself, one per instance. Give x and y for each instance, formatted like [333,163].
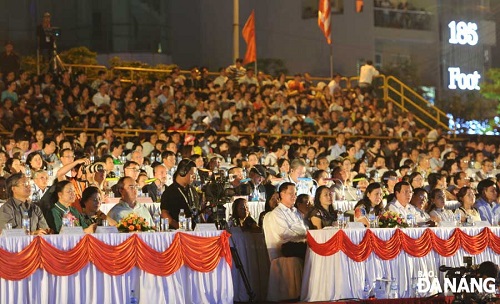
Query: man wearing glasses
[19,191]
[128,203]
[130,169]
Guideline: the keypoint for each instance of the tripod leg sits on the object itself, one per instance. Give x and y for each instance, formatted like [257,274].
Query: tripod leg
[239,266]
[60,64]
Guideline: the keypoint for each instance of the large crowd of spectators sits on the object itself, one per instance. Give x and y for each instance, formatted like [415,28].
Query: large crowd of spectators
[345,155]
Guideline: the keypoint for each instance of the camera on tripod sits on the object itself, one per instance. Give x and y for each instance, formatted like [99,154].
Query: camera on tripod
[475,283]
[53,31]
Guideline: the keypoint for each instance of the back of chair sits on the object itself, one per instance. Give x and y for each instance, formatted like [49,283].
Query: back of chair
[273,248]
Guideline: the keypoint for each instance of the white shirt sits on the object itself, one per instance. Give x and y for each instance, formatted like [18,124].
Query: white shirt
[99,99]
[367,73]
[122,210]
[398,208]
[333,85]
[283,225]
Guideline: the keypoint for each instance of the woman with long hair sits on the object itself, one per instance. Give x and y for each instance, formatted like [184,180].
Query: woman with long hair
[322,214]
[436,208]
[467,198]
[371,201]
[241,216]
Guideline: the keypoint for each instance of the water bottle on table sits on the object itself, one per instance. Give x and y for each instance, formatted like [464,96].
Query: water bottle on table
[182,219]
[372,218]
[156,219]
[458,217]
[26,223]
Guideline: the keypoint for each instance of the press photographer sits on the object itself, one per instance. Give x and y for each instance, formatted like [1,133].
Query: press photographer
[472,284]
[45,38]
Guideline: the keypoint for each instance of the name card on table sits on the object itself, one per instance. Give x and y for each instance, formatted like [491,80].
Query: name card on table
[447,224]
[106,229]
[71,230]
[355,225]
[482,224]
[205,227]
[13,232]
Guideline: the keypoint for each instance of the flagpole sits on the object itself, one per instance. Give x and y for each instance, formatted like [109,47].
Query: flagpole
[236,30]
[331,60]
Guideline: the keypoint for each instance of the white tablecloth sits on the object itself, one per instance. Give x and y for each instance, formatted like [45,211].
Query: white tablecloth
[255,209]
[336,277]
[255,260]
[92,286]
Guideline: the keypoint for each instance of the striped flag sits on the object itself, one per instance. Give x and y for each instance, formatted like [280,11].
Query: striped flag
[324,15]
[249,36]
[359,6]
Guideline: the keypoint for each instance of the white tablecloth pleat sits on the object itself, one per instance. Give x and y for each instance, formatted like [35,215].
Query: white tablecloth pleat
[337,276]
[92,286]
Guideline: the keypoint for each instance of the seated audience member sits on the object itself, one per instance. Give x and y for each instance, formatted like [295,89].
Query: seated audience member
[467,199]
[419,201]
[371,200]
[63,196]
[322,214]
[486,203]
[91,201]
[303,204]
[18,193]
[128,203]
[401,204]
[158,186]
[241,216]
[436,208]
[288,231]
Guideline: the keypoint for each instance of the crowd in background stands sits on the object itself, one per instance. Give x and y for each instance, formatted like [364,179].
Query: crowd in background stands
[237,100]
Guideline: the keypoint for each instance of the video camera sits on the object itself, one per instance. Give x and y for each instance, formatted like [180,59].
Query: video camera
[53,31]
[470,273]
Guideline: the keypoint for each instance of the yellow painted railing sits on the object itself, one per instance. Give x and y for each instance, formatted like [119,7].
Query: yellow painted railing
[409,100]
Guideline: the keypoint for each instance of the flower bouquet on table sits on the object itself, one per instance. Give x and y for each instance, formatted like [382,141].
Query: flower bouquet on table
[133,223]
[391,219]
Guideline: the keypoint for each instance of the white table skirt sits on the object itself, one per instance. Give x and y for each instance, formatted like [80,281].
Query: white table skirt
[255,260]
[336,277]
[92,286]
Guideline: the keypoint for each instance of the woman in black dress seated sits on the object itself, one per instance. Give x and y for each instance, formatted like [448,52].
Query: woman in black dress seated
[371,200]
[323,214]
[241,216]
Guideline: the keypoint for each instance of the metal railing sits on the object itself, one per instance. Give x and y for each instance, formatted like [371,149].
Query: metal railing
[410,101]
